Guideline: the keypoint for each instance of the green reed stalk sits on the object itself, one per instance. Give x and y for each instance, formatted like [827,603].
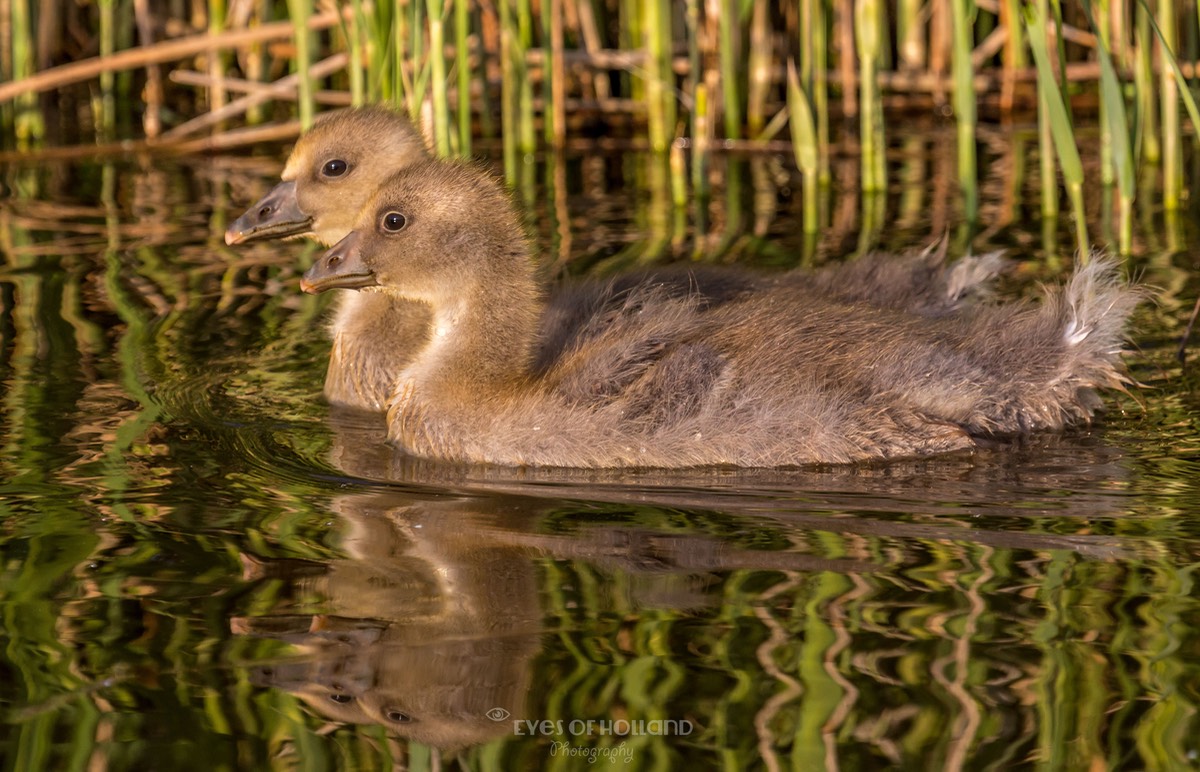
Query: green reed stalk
[1049,174]
[819,80]
[628,23]
[407,34]
[1117,129]
[551,50]
[679,177]
[805,32]
[299,11]
[1171,61]
[700,118]
[911,209]
[691,31]
[125,35]
[510,49]
[397,86]
[1172,146]
[462,53]
[1172,154]
[701,127]
[910,34]
[419,59]
[760,55]
[1143,78]
[399,45]
[437,63]
[964,105]
[526,132]
[727,54]
[1100,25]
[660,78]
[805,146]
[378,49]
[217,59]
[108,110]
[867,14]
[352,29]
[1060,125]
[415,27]
[1120,45]
[1060,45]
[1014,52]
[1106,217]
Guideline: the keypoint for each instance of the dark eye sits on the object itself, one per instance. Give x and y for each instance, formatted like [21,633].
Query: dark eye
[393,222]
[341,699]
[398,717]
[334,168]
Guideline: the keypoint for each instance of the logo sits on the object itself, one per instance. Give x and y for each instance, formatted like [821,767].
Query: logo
[497,714]
[601,727]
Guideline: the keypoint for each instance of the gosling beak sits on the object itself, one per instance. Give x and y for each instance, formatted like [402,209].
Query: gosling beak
[275,216]
[340,267]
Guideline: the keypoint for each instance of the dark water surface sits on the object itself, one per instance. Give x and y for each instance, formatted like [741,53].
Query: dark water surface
[204,567]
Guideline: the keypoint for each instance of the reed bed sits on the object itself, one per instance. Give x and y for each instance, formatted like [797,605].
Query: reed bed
[685,78]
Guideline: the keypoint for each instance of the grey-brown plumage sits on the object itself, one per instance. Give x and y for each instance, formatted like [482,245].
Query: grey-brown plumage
[374,336]
[782,375]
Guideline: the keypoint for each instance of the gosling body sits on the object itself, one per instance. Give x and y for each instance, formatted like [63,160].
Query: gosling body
[654,377]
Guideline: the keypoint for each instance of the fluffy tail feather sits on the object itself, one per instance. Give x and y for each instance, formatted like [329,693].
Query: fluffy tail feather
[1095,306]
[1058,354]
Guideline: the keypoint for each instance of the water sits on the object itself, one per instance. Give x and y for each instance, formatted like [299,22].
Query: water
[204,567]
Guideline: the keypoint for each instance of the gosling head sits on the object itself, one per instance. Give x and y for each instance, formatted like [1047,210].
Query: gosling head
[433,233]
[332,172]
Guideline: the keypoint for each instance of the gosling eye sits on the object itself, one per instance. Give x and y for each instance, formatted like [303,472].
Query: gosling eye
[334,168]
[393,222]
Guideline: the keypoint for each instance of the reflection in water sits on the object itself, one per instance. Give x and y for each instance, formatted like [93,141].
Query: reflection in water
[425,626]
[442,604]
[203,566]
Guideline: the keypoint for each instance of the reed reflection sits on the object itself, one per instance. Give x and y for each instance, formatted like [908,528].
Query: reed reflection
[432,622]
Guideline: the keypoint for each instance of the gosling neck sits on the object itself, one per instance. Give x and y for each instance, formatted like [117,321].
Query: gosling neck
[480,339]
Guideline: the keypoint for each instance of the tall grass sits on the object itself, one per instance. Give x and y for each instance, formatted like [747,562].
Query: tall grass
[1117,158]
[711,72]
[729,50]
[299,12]
[1056,116]
[512,69]
[437,70]
[964,106]
[660,79]
[869,33]
[462,59]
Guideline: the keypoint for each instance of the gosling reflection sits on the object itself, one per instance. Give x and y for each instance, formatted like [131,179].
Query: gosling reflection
[424,628]
[433,619]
